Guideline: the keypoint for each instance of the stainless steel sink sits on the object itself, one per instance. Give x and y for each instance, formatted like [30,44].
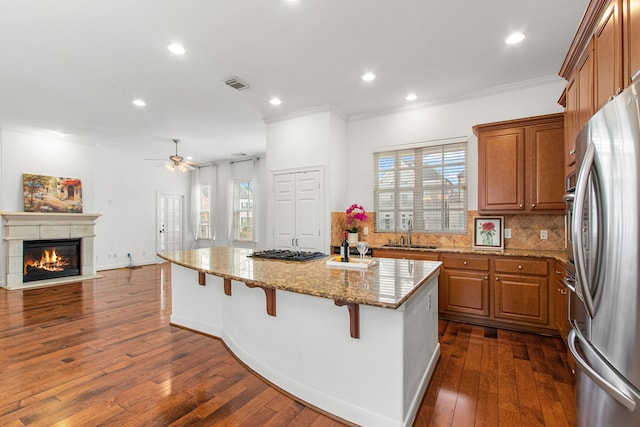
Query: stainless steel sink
[410,246]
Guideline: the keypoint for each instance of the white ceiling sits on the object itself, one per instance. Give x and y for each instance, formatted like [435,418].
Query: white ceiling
[75,65]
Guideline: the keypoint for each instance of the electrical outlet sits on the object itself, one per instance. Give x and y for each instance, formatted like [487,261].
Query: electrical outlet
[543,235]
[507,233]
[365,231]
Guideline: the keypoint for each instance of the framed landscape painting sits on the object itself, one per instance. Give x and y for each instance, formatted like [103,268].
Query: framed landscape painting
[51,194]
[488,232]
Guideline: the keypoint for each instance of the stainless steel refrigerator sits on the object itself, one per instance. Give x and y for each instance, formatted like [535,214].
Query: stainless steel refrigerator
[605,341]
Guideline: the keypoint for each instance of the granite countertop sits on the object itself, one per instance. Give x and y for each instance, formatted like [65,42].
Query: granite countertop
[533,253]
[388,284]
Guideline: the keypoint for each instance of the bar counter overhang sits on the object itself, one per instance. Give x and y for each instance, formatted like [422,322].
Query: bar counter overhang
[359,344]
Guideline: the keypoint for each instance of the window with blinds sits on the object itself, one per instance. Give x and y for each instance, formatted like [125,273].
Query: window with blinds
[427,185]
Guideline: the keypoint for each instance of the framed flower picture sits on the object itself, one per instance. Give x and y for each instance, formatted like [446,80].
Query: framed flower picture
[488,232]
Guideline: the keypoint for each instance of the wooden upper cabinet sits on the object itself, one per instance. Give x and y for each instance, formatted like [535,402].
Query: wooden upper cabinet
[578,105]
[501,170]
[584,80]
[521,165]
[631,37]
[545,168]
[607,50]
[571,125]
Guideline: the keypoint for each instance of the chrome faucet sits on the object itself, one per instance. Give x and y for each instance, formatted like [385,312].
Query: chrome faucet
[409,228]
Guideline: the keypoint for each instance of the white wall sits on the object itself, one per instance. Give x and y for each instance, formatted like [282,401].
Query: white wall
[126,193]
[120,188]
[441,121]
[313,140]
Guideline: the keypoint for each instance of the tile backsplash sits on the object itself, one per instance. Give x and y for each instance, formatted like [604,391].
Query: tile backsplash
[525,232]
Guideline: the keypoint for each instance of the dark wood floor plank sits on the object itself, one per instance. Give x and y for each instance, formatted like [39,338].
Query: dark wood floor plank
[466,404]
[530,409]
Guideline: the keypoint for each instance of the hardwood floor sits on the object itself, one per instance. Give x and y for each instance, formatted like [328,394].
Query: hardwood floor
[493,377]
[102,352]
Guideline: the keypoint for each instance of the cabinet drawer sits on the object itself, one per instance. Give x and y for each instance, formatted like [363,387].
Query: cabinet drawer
[466,263]
[522,266]
[398,253]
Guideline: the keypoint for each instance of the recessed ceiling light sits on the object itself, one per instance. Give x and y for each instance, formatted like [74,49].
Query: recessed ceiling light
[411,97]
[176,49]
[139,102]
[275,101]
[368,77]
[514,38]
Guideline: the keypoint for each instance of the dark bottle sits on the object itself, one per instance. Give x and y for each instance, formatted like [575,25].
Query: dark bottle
[344,249]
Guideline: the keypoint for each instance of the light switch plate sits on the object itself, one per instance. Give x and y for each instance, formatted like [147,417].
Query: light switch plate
[365,231]
[543,235]
[507,233]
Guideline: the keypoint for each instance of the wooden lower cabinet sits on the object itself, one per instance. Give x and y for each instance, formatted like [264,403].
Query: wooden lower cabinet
[464,292]
[522,299]
[464,285]
[494,290]
[500,291]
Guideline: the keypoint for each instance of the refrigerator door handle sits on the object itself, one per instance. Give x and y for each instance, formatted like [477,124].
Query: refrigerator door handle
[578,249]
[620,396]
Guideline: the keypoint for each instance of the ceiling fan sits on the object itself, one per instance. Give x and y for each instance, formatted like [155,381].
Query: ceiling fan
[178,162]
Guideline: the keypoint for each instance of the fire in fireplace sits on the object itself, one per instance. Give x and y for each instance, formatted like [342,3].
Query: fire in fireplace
[50,259]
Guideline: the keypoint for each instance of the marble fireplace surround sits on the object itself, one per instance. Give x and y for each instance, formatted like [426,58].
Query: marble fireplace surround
[21,226]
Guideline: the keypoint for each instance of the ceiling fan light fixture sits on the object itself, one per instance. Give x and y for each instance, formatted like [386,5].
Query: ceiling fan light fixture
[170,167]
[183,167]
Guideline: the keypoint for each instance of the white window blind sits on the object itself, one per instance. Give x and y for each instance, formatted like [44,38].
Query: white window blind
[427,185]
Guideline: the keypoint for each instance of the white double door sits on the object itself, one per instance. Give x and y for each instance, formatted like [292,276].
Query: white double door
[297,210]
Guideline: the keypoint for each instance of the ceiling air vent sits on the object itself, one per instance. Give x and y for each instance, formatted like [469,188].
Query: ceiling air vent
[236,83]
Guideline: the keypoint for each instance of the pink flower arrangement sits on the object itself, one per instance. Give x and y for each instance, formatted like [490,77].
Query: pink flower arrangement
[355,213]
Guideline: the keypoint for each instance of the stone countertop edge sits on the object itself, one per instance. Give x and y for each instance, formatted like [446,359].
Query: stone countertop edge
[558,255]
[323,292]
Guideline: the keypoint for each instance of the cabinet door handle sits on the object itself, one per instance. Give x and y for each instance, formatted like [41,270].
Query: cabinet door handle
[572,152]
[563,291]
[497,279]
[533,205]
[464,262]
[519,267]
[521,205]
[486,277]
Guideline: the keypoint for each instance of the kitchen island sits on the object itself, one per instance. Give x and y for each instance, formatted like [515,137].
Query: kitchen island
[360,344]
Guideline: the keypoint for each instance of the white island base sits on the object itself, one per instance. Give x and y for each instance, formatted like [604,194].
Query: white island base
[306,349]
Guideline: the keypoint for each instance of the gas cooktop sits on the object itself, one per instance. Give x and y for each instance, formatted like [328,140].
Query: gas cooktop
[287,255]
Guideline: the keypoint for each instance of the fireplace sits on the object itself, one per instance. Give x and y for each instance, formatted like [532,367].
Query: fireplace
[50,259]
[24,228]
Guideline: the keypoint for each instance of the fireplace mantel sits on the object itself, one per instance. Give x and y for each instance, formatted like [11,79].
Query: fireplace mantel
[21,226]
